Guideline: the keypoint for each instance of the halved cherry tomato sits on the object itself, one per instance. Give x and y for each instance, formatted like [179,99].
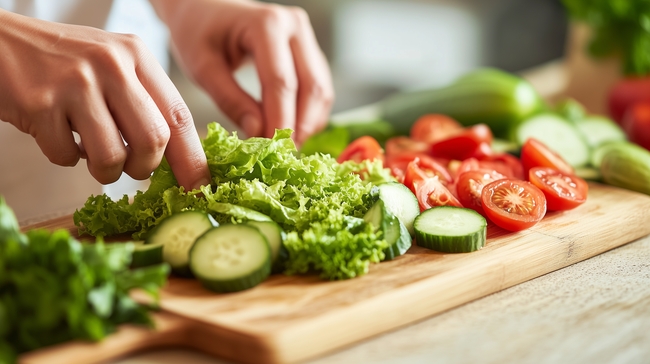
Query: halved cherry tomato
[430,193]
[513,204]
[470,184]
[401,144]
[363,148]
[504,163]
[562,191]
[431,128]
[423,168]
[464,145]
[536,154]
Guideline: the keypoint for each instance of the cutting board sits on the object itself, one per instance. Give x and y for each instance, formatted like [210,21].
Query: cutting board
[293,318]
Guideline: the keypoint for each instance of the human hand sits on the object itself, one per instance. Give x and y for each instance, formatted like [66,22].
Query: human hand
[58,79]
[211,39]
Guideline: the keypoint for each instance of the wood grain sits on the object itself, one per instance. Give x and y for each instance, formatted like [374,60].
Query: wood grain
[287,319]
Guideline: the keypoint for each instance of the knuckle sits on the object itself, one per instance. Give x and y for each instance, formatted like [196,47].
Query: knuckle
[111,160]
[300,15]
[273,16]
[180,117]
[282,84]
[155,140]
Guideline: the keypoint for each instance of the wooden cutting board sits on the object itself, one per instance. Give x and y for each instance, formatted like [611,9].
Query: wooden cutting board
[292,318]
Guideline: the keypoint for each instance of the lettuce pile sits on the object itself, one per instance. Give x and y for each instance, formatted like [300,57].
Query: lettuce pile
[317,201]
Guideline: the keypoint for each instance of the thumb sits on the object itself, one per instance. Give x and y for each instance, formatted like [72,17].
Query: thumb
[219,82]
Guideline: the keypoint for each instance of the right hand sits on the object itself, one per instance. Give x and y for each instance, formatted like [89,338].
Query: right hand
[58,79]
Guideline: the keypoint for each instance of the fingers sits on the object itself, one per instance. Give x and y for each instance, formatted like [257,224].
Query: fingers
[141,124]
[102,141]
[184,151]
[275,66]
[56,141]
[218,81]
[315,90]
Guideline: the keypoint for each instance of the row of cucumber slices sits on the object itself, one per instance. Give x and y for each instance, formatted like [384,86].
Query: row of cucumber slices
[235,257]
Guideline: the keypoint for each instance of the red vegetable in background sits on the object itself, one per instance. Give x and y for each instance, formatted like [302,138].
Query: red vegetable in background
[431,128]
[636,123]
[361,149]
[625,94]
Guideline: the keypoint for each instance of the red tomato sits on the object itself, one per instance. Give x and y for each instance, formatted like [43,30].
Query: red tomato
[536,154]
[513,204]
[470,185]
[431,128]
[430,193]
[636,124]
[504,163]
[464,145]
[425,168]
[625,94]
[401,144]
[562,191]
[363,148]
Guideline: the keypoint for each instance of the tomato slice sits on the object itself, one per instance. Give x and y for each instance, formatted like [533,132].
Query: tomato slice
[400,144]
[504,163]
[431,128]
[424,168]
[563,191]
[431,192]
[363,148]
[513,204]
[470,184]
[534,153]
[471,142]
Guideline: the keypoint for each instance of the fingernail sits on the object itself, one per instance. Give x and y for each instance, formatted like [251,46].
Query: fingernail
[200,183]
[251,125]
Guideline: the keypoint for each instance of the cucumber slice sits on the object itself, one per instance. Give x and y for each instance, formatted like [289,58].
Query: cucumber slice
[451,229]
[274,236]
[231,258]
[597,130]
[177,234]
[401,202]
[145,255]
[394,232]
[558,134]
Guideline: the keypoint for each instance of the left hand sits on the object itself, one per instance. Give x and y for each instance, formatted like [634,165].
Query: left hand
[211,39]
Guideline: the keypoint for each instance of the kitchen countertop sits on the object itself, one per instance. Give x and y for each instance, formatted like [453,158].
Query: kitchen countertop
[595,311]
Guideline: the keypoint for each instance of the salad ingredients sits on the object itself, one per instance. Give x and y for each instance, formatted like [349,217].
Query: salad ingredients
[54,288]
[430,128]
[451,229]
[317,201]
[597,130]
[231,258]
[431,192]
[177,234]
[364,148]
[513,204]
[473,141]
[636,123]
[401,202]
[469,187]
[394,232]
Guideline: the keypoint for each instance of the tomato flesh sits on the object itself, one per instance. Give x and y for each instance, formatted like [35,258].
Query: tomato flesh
[562,191]
[363,148]
[513,204]
[431,192]
[431,128]
[470,184]
[471,142]
[534,153]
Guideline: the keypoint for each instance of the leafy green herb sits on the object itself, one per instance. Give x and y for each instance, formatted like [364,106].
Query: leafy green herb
[619,27]
[311,197]
[54,288]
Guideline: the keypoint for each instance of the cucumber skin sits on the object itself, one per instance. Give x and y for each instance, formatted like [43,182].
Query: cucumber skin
[626,165]
[145,258]
[496,98]
[238,284]
[401,246]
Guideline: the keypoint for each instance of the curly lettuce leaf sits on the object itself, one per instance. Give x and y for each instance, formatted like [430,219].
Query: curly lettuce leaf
[258,176]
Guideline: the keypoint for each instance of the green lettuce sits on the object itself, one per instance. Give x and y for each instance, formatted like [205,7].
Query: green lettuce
[312,197]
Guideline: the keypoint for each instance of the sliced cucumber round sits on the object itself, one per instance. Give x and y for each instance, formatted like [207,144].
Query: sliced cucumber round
[451,229]
[145,255]
[231,258]
[394,232]
[401,202]
[177,234]
[274,236]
